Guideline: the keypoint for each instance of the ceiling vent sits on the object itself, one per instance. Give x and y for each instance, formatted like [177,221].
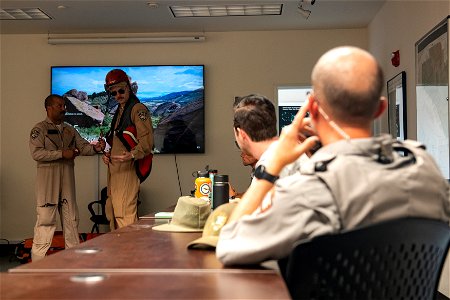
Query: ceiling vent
[23,14]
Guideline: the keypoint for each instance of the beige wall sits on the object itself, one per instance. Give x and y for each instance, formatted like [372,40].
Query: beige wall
[1,166]
[236,63]
[391,31]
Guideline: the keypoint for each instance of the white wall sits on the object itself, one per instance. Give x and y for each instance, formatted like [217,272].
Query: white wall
[398,26]
[391,31]
[236,63]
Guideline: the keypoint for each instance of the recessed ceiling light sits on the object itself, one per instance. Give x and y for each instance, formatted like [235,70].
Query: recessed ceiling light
[23,14]
[226,10]
[152,5]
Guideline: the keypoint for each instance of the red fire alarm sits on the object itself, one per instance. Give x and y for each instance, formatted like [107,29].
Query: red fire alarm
[395,58]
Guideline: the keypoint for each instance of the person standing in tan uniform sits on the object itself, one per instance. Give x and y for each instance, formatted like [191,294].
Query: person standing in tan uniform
[54,146]
[130,157]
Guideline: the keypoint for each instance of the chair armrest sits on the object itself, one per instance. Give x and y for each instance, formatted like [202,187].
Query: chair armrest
[90,206]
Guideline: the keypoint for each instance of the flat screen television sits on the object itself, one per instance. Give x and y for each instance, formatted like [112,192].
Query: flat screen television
[174,94]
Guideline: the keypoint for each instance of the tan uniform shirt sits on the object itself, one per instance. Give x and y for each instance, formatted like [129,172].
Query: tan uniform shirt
[55,175]
[142,120]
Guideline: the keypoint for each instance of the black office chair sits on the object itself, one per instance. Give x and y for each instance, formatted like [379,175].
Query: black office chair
[100,217]
[397,259]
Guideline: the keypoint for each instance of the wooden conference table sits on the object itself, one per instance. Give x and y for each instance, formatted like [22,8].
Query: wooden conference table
[136,262]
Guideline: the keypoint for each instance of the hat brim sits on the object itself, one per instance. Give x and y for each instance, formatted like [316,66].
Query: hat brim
[118,84]
[176,228]
[205,242]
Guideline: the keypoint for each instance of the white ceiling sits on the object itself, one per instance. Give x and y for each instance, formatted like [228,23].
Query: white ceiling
[135,16]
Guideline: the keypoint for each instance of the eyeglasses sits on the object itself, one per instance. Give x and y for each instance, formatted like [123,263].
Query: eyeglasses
[333,124]
[120,91]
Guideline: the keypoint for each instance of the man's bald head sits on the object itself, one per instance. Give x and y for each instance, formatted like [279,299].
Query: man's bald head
[347,81]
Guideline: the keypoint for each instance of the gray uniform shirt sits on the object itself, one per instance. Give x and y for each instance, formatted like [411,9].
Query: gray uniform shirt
[288,169]
[344,185]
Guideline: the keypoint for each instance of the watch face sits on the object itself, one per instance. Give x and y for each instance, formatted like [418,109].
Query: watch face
[261,173]
[258,171]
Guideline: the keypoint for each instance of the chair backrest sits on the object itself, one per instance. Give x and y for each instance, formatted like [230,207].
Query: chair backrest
[98,211]
[397,259]
[104,194]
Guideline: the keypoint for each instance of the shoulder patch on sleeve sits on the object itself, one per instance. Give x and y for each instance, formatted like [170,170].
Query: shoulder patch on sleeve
[317,163]
[35,132]
[143,115]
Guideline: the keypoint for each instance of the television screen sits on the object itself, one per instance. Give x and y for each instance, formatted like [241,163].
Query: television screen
[174,94]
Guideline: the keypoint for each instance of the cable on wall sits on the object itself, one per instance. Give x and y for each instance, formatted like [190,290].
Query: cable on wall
[178,174]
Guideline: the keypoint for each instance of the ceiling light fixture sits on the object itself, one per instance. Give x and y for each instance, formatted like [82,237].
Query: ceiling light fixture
[304,12]
[53,40]
[152,5]
[226,10]
[23,14]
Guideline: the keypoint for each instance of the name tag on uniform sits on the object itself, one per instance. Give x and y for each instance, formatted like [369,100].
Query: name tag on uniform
[52,131]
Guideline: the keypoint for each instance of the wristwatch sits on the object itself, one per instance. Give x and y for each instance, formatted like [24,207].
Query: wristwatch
[261,173]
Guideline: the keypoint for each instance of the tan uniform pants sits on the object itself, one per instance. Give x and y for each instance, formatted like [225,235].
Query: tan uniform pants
[123,189]
[46,225]
[55,192]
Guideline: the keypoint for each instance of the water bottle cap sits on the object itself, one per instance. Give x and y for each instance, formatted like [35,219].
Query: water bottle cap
[203,173]
[221,178]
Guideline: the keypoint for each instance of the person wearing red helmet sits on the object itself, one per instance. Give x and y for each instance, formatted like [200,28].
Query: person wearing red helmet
[129,159]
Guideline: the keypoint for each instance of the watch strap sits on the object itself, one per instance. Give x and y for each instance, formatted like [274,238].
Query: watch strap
[261,173]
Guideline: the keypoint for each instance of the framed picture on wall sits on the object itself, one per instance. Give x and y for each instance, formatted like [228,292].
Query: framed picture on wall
[432,91]
[396,91]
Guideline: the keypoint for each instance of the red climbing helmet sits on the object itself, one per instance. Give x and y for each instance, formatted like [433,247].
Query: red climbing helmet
[114,77]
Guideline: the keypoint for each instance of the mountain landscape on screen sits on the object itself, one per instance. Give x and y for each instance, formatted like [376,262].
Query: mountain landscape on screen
[177,115]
